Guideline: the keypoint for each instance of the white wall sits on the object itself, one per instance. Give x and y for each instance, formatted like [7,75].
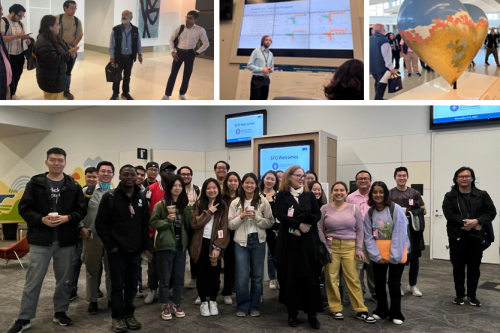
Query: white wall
[99,22]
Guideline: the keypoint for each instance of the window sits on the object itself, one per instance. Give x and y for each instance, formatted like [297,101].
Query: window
[378,9]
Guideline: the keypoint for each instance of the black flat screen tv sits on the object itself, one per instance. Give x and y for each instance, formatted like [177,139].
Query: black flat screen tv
[242,127]
[279,156]
[452,116]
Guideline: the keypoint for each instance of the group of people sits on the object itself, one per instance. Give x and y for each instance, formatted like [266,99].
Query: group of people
[58,42]
[347,82]
[143,221]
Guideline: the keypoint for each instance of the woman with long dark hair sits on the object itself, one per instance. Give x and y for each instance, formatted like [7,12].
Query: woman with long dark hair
[172,220]
[249,216]
[347,82]
[297,254]
[53,57]
[396,50]
[316,188]
[210,239]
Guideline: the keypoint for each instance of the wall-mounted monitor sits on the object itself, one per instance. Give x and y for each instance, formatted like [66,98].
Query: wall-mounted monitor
[445,116]
[281,155]
[242,127]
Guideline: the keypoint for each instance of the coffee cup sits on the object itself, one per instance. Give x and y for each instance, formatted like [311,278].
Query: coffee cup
[359,264]
[250,208]
[171,209]
[213,261]
[53,215]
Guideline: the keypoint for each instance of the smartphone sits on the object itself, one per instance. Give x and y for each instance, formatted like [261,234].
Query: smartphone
[30,33]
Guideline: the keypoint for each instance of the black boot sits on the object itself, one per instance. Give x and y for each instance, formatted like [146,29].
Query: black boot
[380,91]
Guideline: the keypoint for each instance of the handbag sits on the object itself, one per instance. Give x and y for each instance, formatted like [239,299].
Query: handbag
[324,255]
[480,239]
[394,83]
[384,247]
[30,56]
[112,74]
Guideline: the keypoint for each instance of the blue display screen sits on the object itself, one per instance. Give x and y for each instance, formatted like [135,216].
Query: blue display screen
[458,113]
[243,129]
[283,157]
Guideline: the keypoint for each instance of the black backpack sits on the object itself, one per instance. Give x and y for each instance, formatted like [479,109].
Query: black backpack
[88,193]
[60,23]
[176,40]
[7,25]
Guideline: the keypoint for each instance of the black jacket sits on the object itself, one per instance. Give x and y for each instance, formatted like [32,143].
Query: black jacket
[36,203]
[483,210]
[3,70]
[115,224]
[491,41]
[51,64]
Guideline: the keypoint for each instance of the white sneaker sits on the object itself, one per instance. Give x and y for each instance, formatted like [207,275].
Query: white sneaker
[397,321]
[375,316]
[273,285]
[15,98]
[228,300]
[198,300]
[182,97]
[151,297]
[414,290]
[213,309]
[204,309]
[165,98]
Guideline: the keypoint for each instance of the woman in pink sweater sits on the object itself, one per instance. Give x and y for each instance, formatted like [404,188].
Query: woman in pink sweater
[341,229]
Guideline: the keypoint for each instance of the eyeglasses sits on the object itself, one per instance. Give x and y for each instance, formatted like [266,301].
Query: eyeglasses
[221,168]
[186,175]
[20,16]
[464,177]
[363,179]
[299,176]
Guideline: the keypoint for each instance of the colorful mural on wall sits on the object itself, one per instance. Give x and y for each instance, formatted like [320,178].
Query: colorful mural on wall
[149,18]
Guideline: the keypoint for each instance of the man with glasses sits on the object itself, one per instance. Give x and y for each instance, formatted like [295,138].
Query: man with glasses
[94,254]
[5,68]
[360,199]
[152,170]
[72,33]
[182,45]
[13,34]
[221,169]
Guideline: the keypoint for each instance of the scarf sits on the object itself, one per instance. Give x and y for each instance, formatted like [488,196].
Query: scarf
[296,192]
[104,186]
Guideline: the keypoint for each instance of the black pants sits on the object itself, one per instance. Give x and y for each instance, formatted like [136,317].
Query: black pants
[17,65]
[229,268]
[125,70]
[208,283]
[394,284]
[464,255]
[414,264]
[396,56]
[259,87]
[124,272]
[153,272]
[188,59]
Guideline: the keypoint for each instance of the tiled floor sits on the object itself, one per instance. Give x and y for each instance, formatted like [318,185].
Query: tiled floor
[434,312]
[148,80]
[415,81]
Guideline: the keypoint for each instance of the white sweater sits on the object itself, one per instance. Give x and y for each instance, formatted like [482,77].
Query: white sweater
[263,220]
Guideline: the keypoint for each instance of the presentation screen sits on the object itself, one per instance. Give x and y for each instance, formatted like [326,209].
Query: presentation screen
[279,156]
[461,115]
[242,127]
[299,28]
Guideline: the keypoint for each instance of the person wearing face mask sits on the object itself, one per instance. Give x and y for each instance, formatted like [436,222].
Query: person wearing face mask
[53,56]
[297,248]
[93,253]
[124,49]
[250,215]
[387,244]
[341,229]
[172,219]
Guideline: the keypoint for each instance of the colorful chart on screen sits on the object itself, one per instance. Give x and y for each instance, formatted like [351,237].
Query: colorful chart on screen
[301,28]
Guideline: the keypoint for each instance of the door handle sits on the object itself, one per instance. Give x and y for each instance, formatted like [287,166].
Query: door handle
[438,215]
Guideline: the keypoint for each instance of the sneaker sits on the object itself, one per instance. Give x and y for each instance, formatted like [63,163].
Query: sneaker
[366,317]
[127,97]
[273,285]
[114,97]
[99,293]
[409,74]
[197,301]
[92,309]
[177,311]
[165,312]
[397,321]
[191,284]
[165,98]
[338,315]
[255,313]
[73,296]
[62,319]
[376,317]
[68,95]
[228,300]
[486,63]
[458,301]
[473,301]
[241,314]
[204,311]
[182,97]
[151,297]
[15,98]
[414,290]
[213,309]
[132,323]
[119,325]
[19,326]
[418,74]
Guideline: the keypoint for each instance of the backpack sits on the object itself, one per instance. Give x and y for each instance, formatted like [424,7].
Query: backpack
[7,25]
[60,23]
[391,210]
[88,194]
[176,40]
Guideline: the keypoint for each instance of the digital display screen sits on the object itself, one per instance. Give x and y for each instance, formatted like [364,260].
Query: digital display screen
[243,129]
[280,158]
[460,113]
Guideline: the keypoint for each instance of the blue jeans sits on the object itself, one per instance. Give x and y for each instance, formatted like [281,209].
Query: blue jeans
[171,263]
[271,271]
[68,77]
[77,266]
[249,265]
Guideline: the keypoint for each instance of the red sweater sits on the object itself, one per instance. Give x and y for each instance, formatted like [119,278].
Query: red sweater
[156,195]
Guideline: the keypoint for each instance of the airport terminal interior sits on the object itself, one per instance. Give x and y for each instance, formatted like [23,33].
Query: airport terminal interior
[342,141]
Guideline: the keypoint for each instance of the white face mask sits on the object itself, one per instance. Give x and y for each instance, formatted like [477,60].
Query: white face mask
[125,21]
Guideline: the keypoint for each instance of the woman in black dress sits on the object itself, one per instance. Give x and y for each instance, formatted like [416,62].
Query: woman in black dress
[297,255]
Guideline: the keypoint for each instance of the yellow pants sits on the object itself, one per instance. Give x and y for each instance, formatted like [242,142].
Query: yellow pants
[343,252]
[53,97]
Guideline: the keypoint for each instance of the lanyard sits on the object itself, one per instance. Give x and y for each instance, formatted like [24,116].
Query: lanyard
[268,55]
[127,36]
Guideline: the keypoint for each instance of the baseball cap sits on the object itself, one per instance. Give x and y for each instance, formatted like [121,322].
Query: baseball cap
[167,165]
[152,165]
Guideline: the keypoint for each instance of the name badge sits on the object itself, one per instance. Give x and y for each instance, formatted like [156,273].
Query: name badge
[221,233]
[148,194]
[410,201]
[290,212]
[126,49]
[131,210]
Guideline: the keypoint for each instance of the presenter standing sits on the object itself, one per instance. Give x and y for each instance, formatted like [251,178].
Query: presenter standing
[261,64]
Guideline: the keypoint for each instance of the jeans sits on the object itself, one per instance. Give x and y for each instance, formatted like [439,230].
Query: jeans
[17,65]
[77,266]
[249,266]
[40,257]
[208,280]
[124,271]
[271,270]
[394,283]
[171,263]
[68,77]
[125,67]
[188,59]
[464,255]
[414,264]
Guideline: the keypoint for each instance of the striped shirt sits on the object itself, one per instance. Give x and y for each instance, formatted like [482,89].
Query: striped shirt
[14,47]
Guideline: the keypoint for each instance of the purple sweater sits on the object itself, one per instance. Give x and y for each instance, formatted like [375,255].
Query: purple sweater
[341,224]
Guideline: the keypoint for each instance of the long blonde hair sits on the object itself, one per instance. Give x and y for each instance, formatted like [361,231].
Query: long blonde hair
[285,182]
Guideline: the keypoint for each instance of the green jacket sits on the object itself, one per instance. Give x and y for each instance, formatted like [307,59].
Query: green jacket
[165,240]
